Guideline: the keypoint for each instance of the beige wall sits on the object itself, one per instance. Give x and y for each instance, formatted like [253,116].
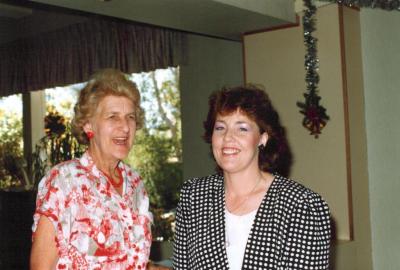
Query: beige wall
[336,161]
[275,59]
[37,114]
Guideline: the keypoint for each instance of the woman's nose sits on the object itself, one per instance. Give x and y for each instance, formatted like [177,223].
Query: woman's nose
[228,135]
[125,125]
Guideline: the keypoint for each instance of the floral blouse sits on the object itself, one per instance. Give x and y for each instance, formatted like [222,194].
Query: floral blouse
[96,227]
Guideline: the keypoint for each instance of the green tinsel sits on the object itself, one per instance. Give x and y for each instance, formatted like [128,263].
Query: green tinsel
[315,116]
[382,4]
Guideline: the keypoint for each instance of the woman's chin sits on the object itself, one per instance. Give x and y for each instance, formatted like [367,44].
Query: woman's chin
[229,168]
[121,149]
[120,153]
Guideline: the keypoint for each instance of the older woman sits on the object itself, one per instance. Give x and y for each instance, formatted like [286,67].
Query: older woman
[248,216]
[92,212]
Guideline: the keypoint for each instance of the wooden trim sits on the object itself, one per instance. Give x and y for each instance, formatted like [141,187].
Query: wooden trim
[289,25]
[346,120]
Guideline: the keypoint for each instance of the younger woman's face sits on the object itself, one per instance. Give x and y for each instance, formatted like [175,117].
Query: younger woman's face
[235,142]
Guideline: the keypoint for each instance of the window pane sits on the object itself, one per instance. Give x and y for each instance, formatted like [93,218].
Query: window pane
[157,152]
[58,144]
[12,164]
[63,99]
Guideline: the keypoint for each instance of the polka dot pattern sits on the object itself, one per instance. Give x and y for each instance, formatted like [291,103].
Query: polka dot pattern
[291,230]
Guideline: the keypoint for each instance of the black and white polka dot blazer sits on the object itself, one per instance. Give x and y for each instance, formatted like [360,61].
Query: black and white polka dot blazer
[291,229]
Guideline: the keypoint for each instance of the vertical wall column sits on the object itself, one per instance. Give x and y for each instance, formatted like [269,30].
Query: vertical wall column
[38,112]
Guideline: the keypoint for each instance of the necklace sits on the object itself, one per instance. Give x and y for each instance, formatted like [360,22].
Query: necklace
[241,203]
[112,181]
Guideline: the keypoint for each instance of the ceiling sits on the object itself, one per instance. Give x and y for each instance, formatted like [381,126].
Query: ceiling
[13,12]
[227,19]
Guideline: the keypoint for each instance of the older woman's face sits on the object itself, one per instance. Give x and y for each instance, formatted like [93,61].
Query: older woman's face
[235,142]
[114,128]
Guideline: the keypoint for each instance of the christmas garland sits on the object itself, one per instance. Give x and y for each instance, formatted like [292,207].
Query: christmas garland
[315,116]
[383,4]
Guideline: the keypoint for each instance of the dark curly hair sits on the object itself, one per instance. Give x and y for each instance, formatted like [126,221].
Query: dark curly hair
[255,104]
[105,82]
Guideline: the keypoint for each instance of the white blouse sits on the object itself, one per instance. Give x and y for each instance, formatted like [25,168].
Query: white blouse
[237,231]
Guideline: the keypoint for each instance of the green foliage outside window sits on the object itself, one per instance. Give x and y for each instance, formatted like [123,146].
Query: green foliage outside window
[12,164]
[151,156]
[56,146]
[157,152]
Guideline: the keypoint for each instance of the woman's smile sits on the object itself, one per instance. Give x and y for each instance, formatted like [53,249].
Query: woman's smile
[230,151]
[121,141]
[235,141]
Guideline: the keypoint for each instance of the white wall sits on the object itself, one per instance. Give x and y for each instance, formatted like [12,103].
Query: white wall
[211,64]
[381,64]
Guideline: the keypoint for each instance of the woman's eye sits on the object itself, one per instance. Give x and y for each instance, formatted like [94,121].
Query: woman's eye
[243,129]
[218,128]
[113,117]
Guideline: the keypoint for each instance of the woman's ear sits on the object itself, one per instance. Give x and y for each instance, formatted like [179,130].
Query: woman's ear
[264,139]
[87,127]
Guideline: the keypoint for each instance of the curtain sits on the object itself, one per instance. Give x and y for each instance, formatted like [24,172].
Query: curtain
[71,54]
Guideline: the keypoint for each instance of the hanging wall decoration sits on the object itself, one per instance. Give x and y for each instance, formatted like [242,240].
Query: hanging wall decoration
[315,116]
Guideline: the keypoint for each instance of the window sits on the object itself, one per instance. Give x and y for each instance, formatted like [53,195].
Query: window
[12,165]
[62,99]
[157,152]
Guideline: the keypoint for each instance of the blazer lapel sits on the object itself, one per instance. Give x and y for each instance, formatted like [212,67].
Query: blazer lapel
[217,223]
[261,232]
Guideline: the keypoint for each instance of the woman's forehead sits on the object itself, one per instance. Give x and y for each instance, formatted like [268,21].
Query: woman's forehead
[238,115]
[115,103]
[238,112]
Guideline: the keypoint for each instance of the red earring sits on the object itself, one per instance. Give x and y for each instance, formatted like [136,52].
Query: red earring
[90,135]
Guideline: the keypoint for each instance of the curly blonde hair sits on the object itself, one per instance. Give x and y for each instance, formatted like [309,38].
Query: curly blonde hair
[105,82]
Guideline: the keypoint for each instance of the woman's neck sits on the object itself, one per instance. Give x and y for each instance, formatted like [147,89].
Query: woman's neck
[103,164]
[244,192]
[240,184]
